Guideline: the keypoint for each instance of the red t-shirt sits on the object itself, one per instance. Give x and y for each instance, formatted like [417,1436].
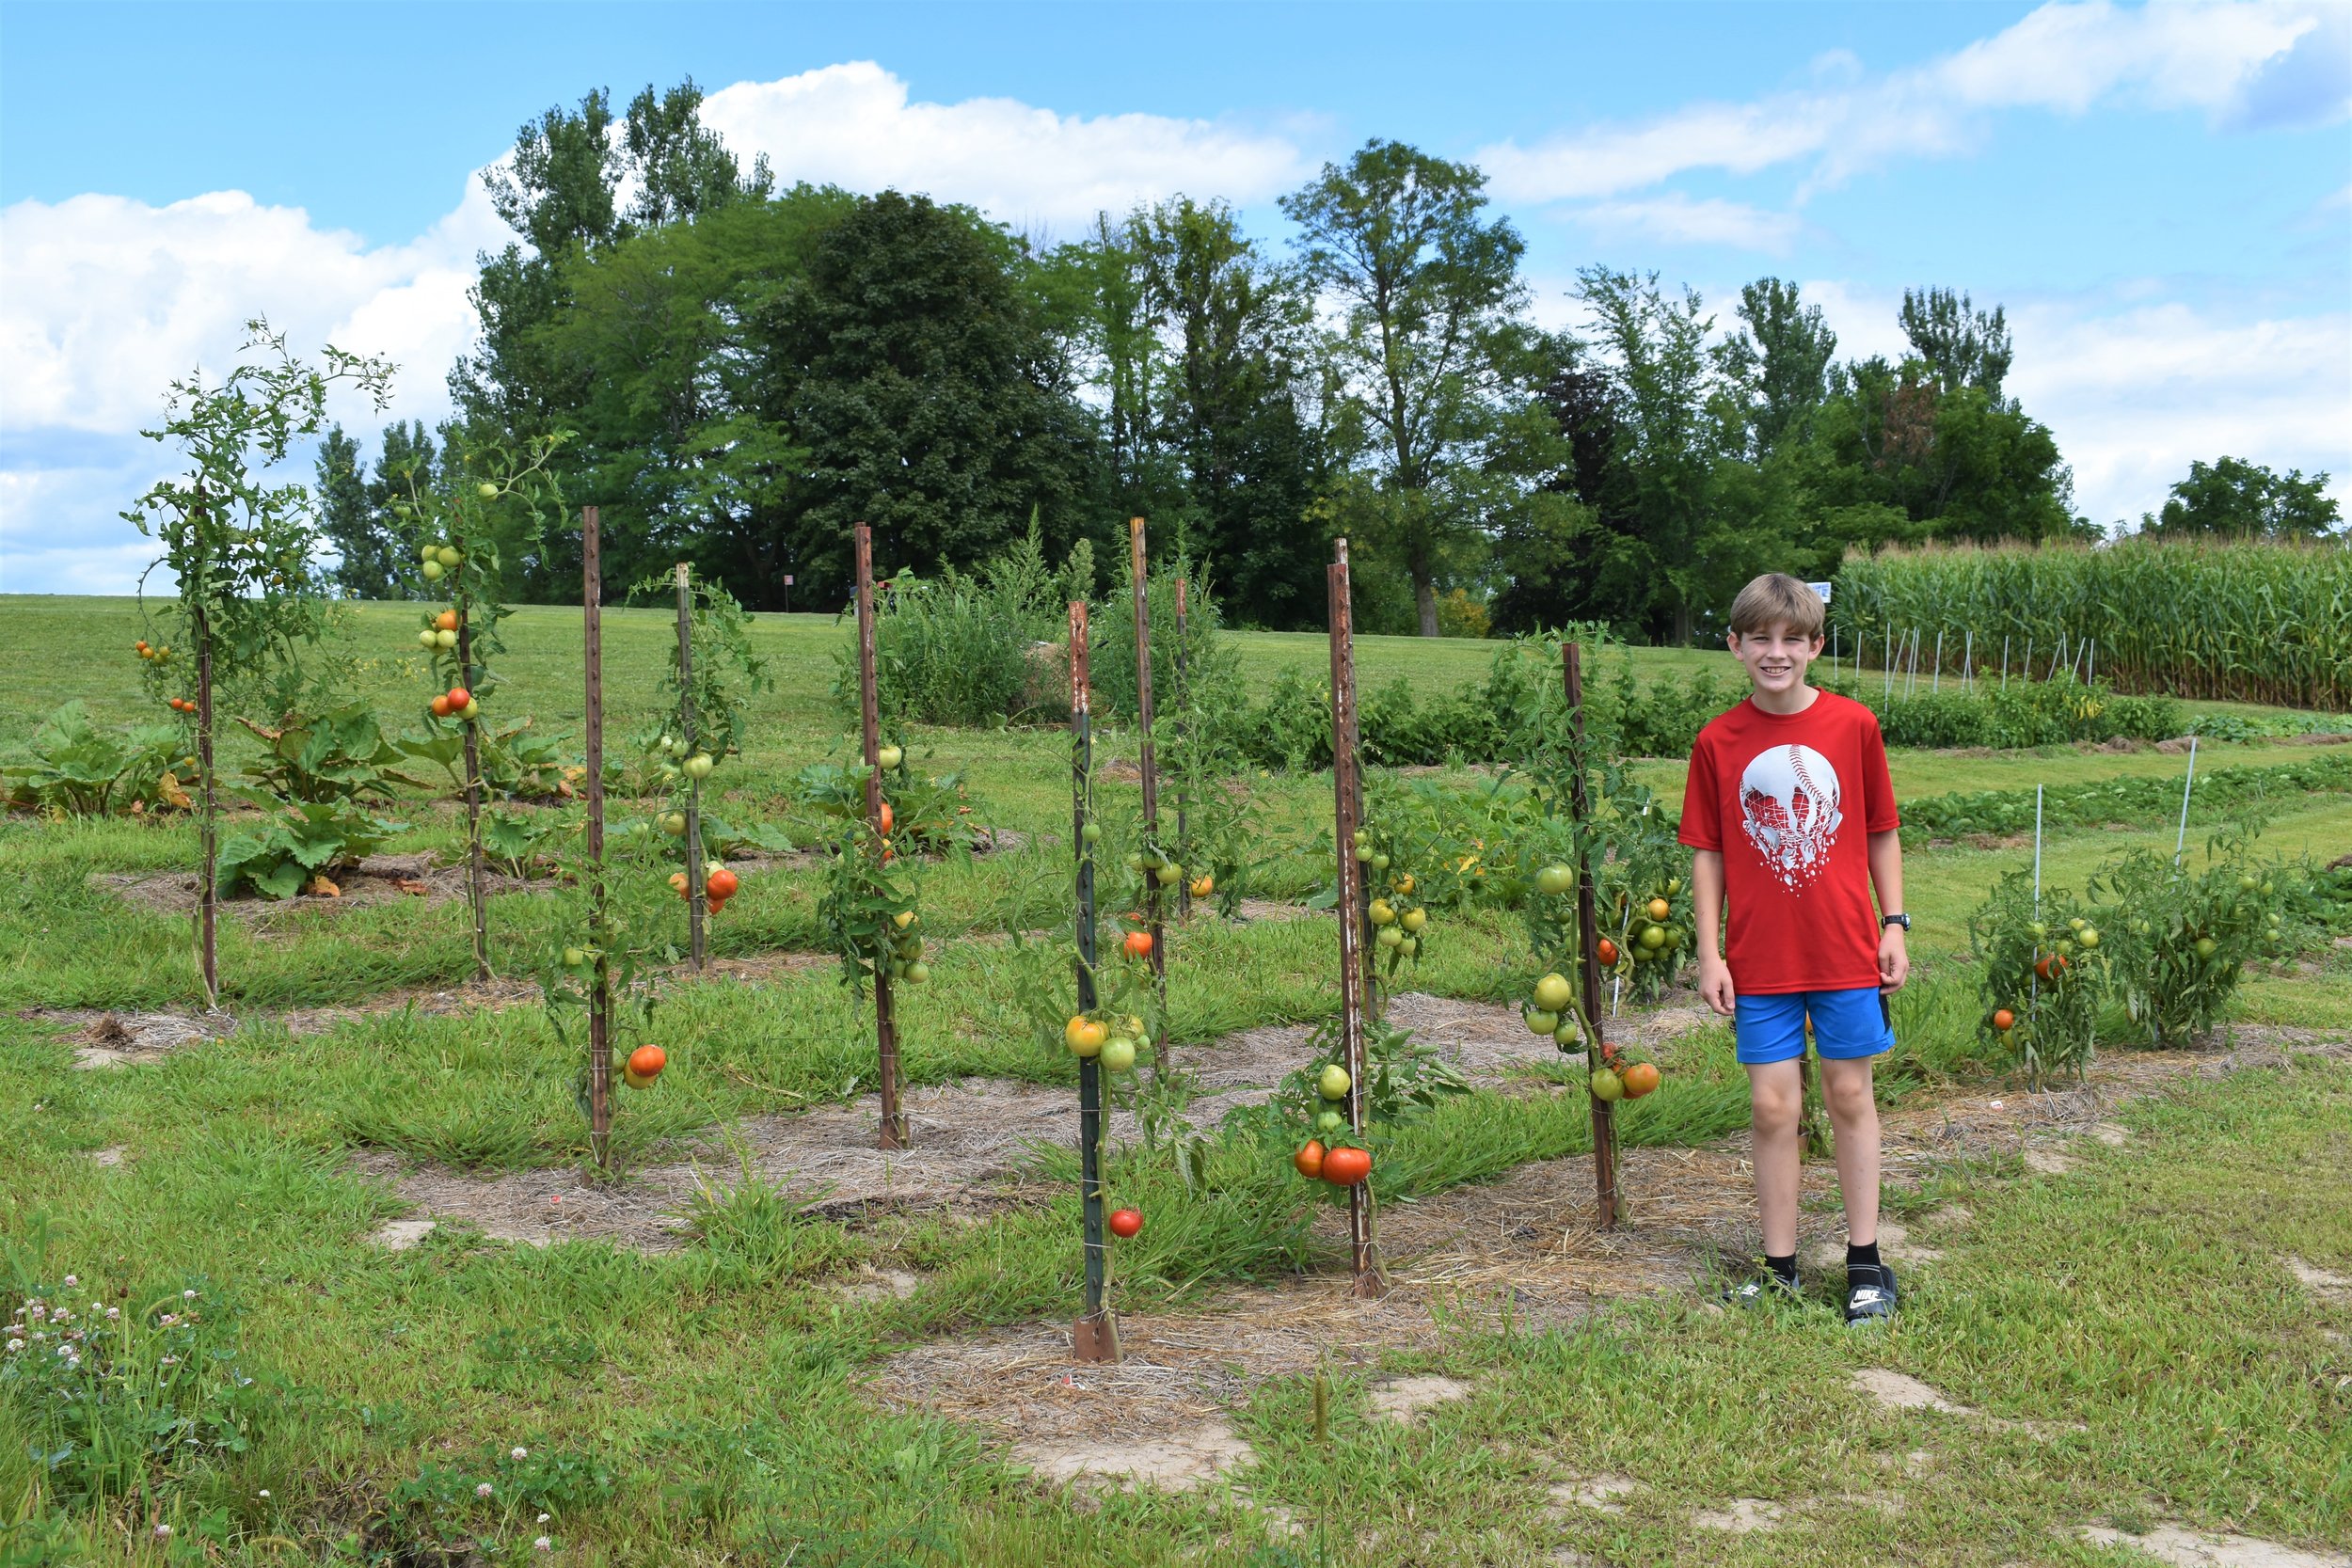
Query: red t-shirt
[1790,800]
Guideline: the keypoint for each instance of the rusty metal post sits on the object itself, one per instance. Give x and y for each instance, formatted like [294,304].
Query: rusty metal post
[1095,1336]
[694,938]
[600,985]
[477,879]
[1184,752]
[1588,944]
[894,1121]
[208,831]
[1155,897]
[1348,812]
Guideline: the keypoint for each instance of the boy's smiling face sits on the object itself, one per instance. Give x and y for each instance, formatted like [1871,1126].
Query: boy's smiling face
[1776,659]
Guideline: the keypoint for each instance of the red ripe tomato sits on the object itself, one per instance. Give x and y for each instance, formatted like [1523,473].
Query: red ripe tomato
[1639,1079]
[720,885]
[887,818]
[1125,1223]
[2004,1019]
[2050,967]
[648,1061]
[440,707]
[1309,1158]
[1608,953]
[1345,1166]
[458,697]
[1138,944]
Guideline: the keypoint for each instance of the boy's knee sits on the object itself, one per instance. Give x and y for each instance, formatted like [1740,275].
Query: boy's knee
[1777,1109]
[1849,1095]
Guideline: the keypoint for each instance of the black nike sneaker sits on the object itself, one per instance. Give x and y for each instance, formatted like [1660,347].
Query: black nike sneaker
[1871,1294]
[1759,1287]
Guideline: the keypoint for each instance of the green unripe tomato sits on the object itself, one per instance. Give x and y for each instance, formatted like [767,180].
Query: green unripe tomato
[574,957]
[1389,936]
[451,555]
[699,765]
[1409,946]
[1413,919]
[2269,889]
[471,710]
[1383,912]
[1166,875]
[1334,1083]
[1328,1123]
[1379,863]
[1363,850]
[1118,1055]
[1565,1036]
[674,823]
[889,756]
[487,490]
[428,638]
[2247,884]
[1607,1084]
[2089,937]
[445,639]
[1653,937]
[1542,1021]
[1091,833]
[918,974]
[1553,993]
[432,571]
[1554,880]
[2207,947]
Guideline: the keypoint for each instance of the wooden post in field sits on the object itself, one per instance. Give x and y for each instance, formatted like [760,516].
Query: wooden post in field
[1095,1336]
[1184,750]
[894,1121]
[600,982]
[208,826]
[1588,947]
[1154,894]
[694,936]
[1348,816]
[477,879]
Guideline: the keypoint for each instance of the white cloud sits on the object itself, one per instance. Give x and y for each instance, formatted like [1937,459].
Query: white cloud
[1676,219]
[2222,59]
[854,125]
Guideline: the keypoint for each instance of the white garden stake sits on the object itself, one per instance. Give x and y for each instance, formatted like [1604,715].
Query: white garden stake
[2033,984]
[2180,844]
[1968,661]
[1935,681]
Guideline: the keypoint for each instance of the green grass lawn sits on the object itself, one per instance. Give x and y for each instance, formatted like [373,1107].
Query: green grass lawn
[2134,1347]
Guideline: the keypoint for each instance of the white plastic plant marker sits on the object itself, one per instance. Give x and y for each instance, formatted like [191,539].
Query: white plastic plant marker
[2180,842]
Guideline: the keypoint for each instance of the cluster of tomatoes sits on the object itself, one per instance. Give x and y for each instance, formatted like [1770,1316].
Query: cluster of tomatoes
[439,634]
[719,885]
[434,561]
[1548,1011]
[643,1066]
[681,761]
[1647,928]
[906,950]
[1107,1039]
[1340,1164]
[456,703]
[1618,1079]
[1161,868]
[160,655]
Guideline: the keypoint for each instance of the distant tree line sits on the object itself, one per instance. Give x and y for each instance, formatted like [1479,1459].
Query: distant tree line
[747,371]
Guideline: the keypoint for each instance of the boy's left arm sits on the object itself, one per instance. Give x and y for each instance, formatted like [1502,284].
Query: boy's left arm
[1886,875]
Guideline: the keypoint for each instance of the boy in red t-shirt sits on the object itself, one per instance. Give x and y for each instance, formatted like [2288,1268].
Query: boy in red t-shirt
[1790,816]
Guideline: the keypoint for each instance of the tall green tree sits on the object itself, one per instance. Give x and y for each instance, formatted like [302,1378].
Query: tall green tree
[1429,341]
[375,560]
[1779,363]
[2233,496]
[921,392]
[1961,345]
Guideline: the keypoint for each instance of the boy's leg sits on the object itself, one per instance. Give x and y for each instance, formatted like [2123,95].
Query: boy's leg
[1854,1114]
[1777,1092]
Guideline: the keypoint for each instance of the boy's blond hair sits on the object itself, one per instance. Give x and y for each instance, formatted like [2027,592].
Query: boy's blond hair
[1778,599]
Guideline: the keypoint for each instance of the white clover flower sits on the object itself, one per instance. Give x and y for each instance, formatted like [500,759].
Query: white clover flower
[40,1313]
[543,1545]
[519,1453]
[187,1295]
[113,1312]
[70,1282]
[483,1490]
[543,1518]
[15,1345]
[263,1494]
[162,1532]
[168,1319]
[168,1361]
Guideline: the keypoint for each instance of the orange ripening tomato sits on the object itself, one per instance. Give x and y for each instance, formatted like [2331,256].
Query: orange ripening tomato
[1125,1223]
[721,884]
[440,707]
[1138,944]
[1608,953]
[1639,1079]
[1345,1166]
[2004,1019]
[648,1061]
[444,621]
[1309,1158]
[677,881]
[888,818]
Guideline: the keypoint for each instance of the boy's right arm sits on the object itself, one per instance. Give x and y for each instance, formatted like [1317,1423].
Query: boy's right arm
[1707,896]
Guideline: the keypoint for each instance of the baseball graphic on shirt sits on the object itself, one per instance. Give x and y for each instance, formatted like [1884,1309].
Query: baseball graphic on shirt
[1789,798]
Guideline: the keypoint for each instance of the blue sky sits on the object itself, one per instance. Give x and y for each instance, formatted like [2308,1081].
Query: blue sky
[2161,197]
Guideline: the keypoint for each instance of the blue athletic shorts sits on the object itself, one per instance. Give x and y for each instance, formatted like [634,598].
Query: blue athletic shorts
[1847,1024]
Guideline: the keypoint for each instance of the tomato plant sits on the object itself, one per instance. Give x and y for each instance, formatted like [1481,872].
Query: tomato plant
[2181,940]
[239,551]
[2044,963]
[869,908]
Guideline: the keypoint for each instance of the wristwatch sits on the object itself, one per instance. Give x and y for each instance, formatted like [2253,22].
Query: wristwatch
[1902,920]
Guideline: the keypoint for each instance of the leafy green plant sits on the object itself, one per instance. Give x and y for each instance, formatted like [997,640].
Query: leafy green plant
[239,552]
[930,815]
[295,846]
[2131,800]
[964,649]
[2181,940]
[2045,975]
[80,770]
[337,755]
[869,908]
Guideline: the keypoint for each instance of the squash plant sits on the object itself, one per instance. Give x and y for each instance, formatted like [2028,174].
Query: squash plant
[239,552]
[491,496]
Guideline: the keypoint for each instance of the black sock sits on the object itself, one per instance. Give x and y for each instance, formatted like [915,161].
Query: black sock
[1785,1269]
[1861,1258]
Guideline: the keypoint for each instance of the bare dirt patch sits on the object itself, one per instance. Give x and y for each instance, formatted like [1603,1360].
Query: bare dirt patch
[1744,1515]
[2185,1548]
[1401,1398]
[102,1039]
[2324,1283]
[376,880]
[1597,1492]
[1898,1391]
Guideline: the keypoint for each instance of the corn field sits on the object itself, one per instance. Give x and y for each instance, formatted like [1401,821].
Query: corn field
[2245,621]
